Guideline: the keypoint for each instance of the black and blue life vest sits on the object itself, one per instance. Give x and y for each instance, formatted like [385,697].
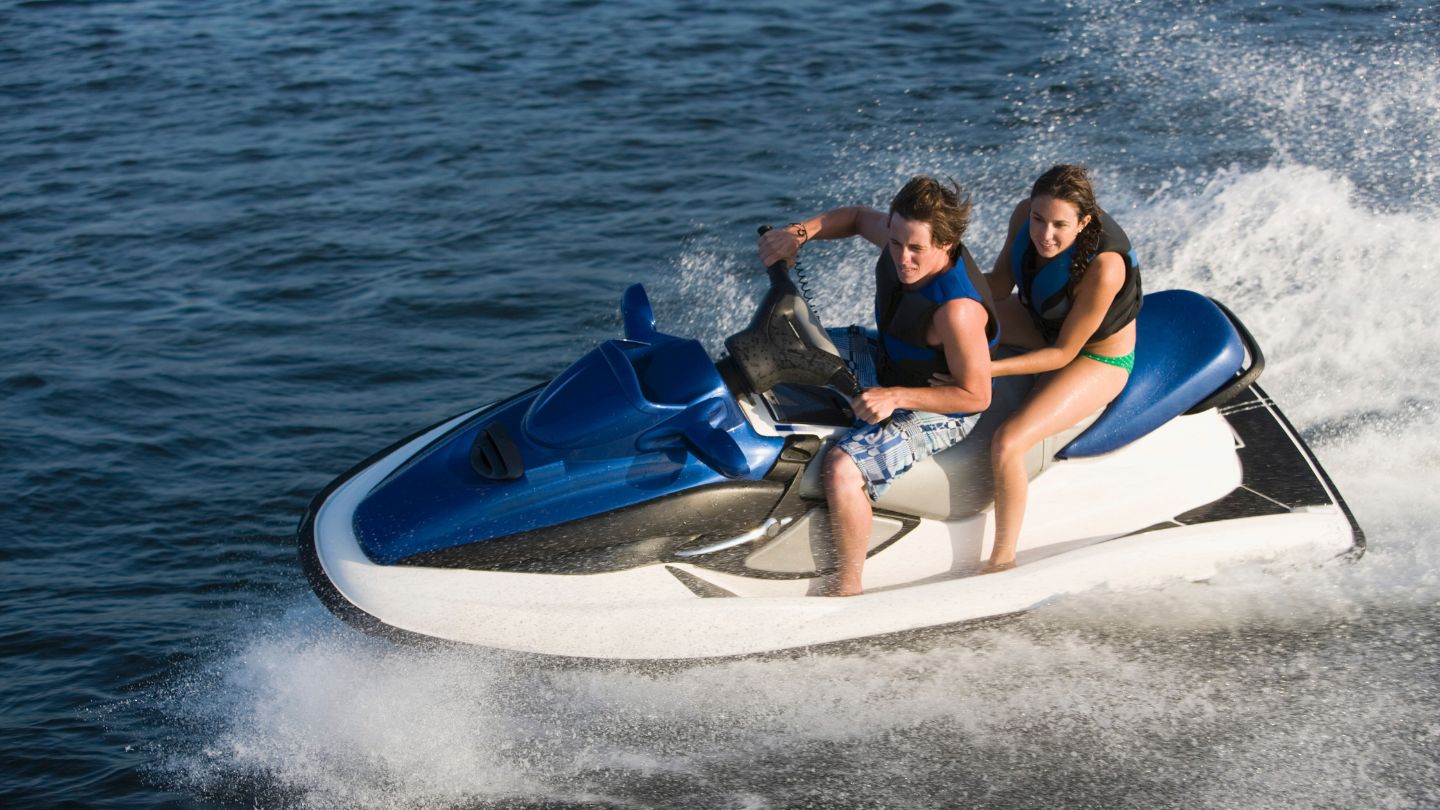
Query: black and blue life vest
[1047,292]
[903,316]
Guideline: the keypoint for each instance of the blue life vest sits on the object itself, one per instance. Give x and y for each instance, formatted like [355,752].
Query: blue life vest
[903,316]
[1048,291]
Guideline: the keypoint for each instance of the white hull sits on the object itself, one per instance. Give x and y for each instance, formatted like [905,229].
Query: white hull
[1117,522]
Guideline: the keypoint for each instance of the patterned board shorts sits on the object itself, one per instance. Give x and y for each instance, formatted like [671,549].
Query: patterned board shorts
[886,451]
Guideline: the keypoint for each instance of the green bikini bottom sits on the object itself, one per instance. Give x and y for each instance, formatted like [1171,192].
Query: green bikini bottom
[1127,362]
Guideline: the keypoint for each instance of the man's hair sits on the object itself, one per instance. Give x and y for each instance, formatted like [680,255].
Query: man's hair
[943,207]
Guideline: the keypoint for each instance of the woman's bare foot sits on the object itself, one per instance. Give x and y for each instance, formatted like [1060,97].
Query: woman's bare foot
[995,568]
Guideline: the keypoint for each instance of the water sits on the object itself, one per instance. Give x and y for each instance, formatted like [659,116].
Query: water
[243,245]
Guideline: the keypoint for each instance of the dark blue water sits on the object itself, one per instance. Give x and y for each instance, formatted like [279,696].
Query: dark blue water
[245,244]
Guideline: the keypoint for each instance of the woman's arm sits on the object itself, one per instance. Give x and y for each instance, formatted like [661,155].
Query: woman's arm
[838,223]
[1093,296]
[1002,277]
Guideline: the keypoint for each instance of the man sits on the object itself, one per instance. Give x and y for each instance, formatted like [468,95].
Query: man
[934,316]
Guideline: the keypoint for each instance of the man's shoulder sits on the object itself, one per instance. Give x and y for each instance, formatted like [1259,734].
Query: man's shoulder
[961,317]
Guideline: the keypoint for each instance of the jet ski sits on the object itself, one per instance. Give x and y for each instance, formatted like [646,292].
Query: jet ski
[651,503]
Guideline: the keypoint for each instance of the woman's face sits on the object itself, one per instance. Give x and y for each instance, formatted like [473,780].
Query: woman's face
[1054,224]
[917,257]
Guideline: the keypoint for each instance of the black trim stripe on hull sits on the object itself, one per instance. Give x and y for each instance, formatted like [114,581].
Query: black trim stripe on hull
[1279,472]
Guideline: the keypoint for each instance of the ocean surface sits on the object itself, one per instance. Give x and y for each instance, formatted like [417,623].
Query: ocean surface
[245,244]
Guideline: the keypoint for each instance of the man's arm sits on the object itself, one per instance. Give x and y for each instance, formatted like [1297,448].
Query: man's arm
[960,327]
[838,223]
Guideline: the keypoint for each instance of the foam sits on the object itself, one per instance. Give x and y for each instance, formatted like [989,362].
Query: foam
[1313,216]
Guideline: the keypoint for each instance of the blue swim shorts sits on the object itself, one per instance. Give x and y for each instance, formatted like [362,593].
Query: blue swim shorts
[886,451]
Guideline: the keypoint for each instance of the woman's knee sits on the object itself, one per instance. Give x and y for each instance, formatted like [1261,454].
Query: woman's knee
[1017,326]
[1009,443]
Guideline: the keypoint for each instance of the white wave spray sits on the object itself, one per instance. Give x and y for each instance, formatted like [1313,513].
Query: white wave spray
[1264,687]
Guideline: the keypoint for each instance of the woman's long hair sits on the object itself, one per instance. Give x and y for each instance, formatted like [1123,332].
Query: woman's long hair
[1071,183]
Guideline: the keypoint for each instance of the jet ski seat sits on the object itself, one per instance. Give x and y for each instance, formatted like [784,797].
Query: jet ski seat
[1188,353]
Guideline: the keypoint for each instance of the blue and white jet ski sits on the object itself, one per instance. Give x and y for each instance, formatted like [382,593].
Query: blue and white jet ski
[649,503]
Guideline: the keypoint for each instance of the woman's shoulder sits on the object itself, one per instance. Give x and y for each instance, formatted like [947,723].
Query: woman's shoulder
[1019,216]
[1106,270]
[1113,238]
[1110,226]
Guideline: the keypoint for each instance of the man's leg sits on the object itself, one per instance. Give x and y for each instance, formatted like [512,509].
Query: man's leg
[850,519]
[861,466]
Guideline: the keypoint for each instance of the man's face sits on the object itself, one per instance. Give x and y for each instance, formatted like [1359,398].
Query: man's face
[917,258]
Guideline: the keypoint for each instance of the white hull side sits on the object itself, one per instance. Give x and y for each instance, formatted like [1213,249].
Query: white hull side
[1078,537]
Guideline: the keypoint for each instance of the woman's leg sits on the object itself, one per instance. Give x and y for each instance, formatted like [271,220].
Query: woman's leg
[1068,396]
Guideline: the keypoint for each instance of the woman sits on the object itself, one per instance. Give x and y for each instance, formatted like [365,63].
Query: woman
[1079,293]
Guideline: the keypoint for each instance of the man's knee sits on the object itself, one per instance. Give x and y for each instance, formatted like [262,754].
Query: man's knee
[840,472]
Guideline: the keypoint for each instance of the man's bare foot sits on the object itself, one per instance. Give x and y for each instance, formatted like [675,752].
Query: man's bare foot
[995,568]
[834,587]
